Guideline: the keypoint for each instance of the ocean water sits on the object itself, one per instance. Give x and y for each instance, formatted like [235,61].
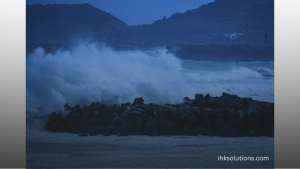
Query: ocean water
[96,73]
[65,150]
[245,79]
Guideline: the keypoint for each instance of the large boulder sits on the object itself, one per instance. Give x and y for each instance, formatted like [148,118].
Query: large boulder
[188,130]
[183,114]
[92,120]
[150,111]
[117,122]
[124,129]
[94,106]
[207,96]
[75,114]
[228,131]
[160,121]
[53,117]
[110,130]
[241,113]
[67,107]
[199,96]
[193,121]
[172,129]
[135,120]
[248,107]
[91,130]
[219,122]
[225,94]
[139,101]
[123,108]
[149,129]
[186,99]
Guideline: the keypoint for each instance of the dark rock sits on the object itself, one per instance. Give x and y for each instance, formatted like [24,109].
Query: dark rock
[200,130]
[75,114]
[265,73]
[268,76]
[110,130]
[150,112]
[149,129]
[124,128]
[188,130]
[91,130]
[106,120]
[225,94]
[123,108]
[219,122]
[186,99]
[207,96]
[54,126]
[135,122]
[92,121]
[53,117]
[77,107]
[228,131]
[252,131]
[241,113]
[117,122]
[94,106]
[170,129]
[205,112]
[127,104]
[227,116]
[183,114]
[138,101]
[193,121]
[246,99]
[67,107]
[160,121]
[199,96]
[248,106]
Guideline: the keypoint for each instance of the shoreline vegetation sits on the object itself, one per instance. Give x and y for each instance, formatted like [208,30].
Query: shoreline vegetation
[225,116]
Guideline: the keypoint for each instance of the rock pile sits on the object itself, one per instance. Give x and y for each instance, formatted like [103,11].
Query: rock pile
[228,116]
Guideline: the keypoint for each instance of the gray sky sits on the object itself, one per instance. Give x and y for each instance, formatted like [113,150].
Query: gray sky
[135,12]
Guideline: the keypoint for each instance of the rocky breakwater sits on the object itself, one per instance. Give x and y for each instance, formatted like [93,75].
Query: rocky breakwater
[227,116]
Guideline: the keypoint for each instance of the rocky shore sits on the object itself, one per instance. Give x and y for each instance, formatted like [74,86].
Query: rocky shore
[226,116]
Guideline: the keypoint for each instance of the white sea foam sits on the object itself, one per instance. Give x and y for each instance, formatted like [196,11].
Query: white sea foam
[95,72]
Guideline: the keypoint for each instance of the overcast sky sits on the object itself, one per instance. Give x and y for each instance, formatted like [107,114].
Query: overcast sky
[135,12]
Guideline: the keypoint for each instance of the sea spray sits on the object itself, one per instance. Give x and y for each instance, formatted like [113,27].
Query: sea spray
[92,72]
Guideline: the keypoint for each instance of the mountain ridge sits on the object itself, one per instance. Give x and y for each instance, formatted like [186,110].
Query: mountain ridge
[60,22]
[57,24]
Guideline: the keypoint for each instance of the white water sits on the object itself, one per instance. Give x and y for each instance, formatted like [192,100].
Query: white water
[93,72]
[241,78]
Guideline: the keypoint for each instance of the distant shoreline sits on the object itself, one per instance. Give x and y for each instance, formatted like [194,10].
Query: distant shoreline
[210,52]
[224,52]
